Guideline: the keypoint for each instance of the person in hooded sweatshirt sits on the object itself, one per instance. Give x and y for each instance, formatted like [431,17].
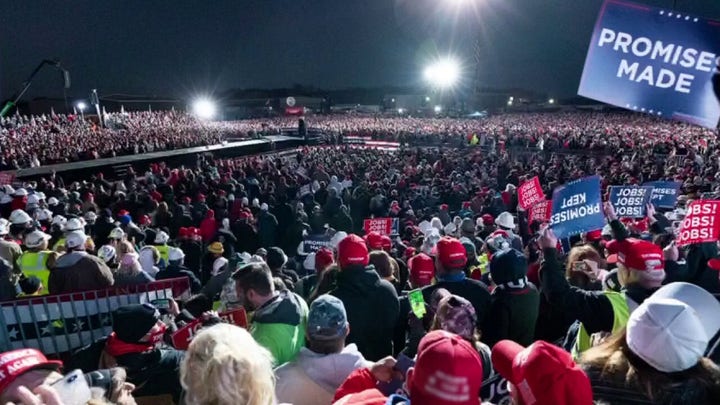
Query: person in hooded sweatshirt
[371,303]
[208,226]
[325,361]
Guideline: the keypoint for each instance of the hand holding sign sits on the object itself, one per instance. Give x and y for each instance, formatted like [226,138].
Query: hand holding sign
[547,239]
[630,201]
[609,211]
[701,224]
[576,207]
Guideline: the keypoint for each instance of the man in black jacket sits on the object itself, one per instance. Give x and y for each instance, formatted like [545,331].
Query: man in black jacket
[371,303]
[176,269]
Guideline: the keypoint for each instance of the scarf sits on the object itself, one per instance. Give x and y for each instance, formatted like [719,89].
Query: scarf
[515,285]
[116,347]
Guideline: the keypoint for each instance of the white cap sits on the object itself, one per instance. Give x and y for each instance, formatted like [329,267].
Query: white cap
[5,199]
[19,217]
[116,233]
[40,195]
[505,220]
[667,334]
[161,237]
[53,201]
[255,202]
[9,190]
[75,239]
[33,199]
[606,231]
[245,201]
[90,216]
[4,226]
[106,253]
[35,238]
[73,224]
[425,227]
[59,220]
[175,254]
[263,207]
[44,215]
[450,228]
[21,192]
[335,240]
[309,263]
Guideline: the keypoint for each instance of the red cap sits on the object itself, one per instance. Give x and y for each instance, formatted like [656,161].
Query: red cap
[466,204]
[323,258]
[385,242]
[409,252]
[422,270]
[714,264]
[448,371]
[183,232]
[201,197]
[451,253]
[371,396]
[443,206]
[145,220]
[122,213]
[15,363]
[594,236]
[542,374]
[637,254]
[488,219]
[243,215]
[374,241]
[186,200]
[352,250]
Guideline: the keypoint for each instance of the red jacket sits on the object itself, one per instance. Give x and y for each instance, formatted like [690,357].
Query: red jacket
[208,226]
[359,381]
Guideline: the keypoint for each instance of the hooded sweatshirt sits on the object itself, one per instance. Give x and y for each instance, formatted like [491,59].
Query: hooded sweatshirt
[313,378]
[279,326]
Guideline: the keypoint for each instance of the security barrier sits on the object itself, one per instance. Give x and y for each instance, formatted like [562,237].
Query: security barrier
[56,324]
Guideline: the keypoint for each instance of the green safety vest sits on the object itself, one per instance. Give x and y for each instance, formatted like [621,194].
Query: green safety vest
[35,264]
[621,314]
[164,251]
[60,243]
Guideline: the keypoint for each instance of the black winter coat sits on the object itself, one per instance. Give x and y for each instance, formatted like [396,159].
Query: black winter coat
[372,309]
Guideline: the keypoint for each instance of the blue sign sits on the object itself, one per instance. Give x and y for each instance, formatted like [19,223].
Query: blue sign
[576,208]
[665,193]
[630,201]
[655,61]
[313,243]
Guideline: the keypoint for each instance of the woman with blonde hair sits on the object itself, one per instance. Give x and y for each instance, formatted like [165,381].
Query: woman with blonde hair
[130,271]
[225,366]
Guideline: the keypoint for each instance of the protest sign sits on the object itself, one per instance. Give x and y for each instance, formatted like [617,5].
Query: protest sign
[383,226]
[540,211]
[313,243]
[655,61]
[576,207]
[664,194]
[182,338]
[630,201]
[700,224]
[7,178]
[530,193]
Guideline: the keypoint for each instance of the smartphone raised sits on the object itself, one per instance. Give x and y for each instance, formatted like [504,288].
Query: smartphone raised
[417,303]
[579,266]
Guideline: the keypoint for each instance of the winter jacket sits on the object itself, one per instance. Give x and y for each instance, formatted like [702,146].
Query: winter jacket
[514,314]
[140,278]
[208,226]
[279,326]
[79,271]
[313,378]
[267,229]
[372,309]
[472,290]
[175,271]
[193,255]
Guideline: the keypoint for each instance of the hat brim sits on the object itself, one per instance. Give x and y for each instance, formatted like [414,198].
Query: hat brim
[705,304]
[503,355]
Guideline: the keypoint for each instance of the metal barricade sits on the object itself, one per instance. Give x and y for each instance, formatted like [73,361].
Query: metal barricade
[56,324]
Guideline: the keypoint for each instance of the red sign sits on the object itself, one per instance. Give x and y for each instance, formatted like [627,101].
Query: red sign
[7,178]
[540,211]
[182,338]
[530,193]
[383,226]
[701,223]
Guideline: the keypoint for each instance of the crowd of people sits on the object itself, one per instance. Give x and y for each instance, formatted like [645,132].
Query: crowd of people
[466,301]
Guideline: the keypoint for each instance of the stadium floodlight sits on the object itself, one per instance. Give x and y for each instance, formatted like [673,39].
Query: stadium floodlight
[81,106]
[204,108]
[551,101]
[401,111]
[437,109]
[443,73]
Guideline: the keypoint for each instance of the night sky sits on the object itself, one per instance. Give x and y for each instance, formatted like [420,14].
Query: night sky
[183,47]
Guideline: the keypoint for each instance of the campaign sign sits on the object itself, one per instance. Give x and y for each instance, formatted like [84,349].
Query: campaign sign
[530,193]
[700,224]
[655,61]
[181,339]
[576,207]
[383,226]
[540,211]
[630,201]
[313,243]
[665,193]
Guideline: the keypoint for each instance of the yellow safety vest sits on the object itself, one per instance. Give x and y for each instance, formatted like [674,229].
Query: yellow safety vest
[621,314]
[164,251]
[35,264]
[59,246]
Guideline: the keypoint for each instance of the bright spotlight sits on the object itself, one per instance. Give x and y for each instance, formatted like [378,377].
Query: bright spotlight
[551,101]
[204,108]
[400,110]
[81,106]
[443,73]
[438,109]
